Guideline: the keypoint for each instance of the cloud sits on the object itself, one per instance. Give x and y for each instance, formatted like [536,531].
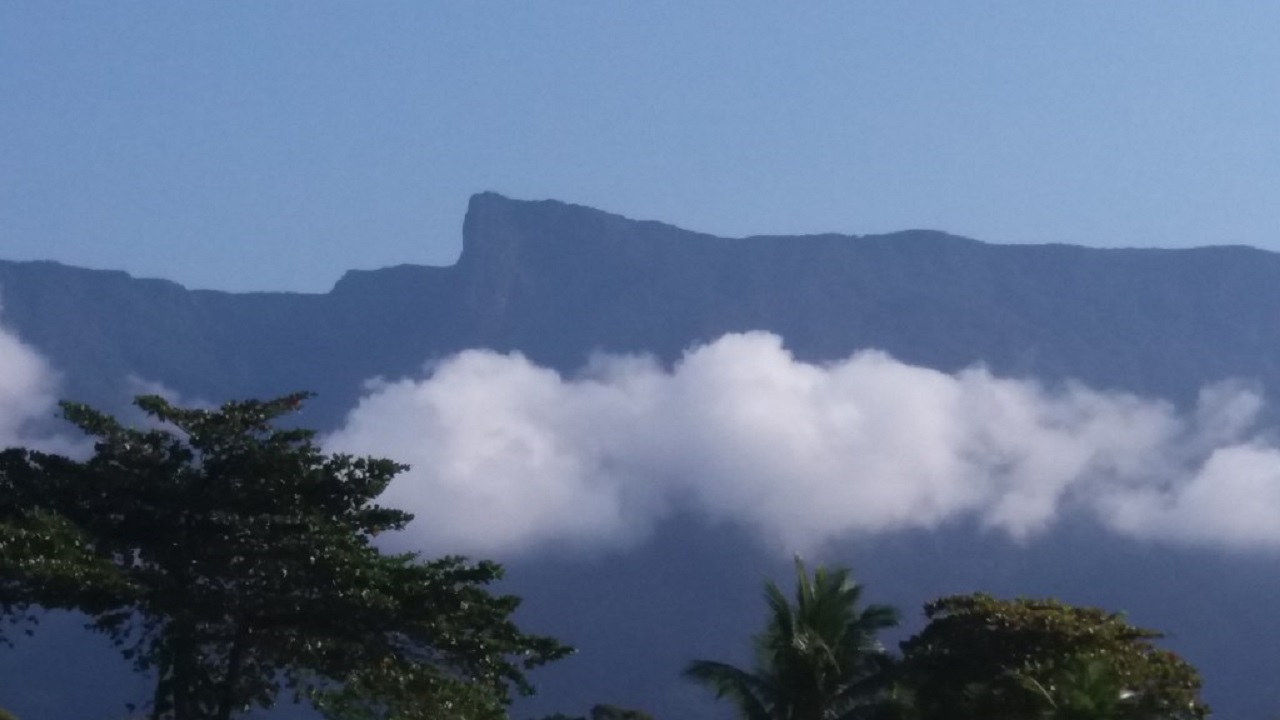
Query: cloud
[28,395]
[508,457]
[133,416]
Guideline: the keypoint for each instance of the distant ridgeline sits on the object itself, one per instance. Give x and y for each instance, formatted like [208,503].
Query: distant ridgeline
[560,282]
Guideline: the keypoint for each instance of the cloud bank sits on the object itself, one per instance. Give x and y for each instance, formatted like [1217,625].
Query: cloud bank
[508,457]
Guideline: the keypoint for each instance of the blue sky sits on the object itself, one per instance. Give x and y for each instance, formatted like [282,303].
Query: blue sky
[253,146]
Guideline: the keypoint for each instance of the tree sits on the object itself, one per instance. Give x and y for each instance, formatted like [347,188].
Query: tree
[817,659]
[601,712]
[1083,689]
[233,559]
[1017,659]
[614,712]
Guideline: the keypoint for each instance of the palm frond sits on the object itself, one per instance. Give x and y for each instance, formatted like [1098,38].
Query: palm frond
[750,693]
[818,657]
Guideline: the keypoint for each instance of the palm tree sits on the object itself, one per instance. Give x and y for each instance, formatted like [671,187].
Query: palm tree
[817,659]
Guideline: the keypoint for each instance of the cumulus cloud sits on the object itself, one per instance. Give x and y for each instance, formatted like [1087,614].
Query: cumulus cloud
[509,457]
[28,395]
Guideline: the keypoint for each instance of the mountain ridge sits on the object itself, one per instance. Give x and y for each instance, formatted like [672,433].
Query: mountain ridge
[558,283]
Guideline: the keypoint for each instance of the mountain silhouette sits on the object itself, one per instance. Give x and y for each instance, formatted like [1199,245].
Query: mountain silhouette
[559,283]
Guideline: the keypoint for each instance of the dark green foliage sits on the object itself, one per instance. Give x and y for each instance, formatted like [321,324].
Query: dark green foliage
[233,560]
[817,659]
[46,560]
[1083,689]
[605,712]
[613,712]
[1017,659]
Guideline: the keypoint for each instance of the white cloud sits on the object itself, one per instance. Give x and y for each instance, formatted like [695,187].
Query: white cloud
[28,394]
[133,416]
[509,457]
[1231,500]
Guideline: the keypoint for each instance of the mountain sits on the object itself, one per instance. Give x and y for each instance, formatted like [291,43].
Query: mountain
[559,283]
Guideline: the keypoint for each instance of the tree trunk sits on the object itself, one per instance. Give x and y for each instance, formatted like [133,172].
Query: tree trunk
[158,700]
[227,689]
[184,675]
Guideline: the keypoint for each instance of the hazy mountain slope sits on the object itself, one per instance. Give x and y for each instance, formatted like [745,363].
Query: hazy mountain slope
[559,282]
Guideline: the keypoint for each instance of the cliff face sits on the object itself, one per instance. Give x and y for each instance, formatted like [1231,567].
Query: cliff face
[558,282]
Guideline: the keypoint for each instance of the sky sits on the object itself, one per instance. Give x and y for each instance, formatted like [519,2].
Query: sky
[272,146]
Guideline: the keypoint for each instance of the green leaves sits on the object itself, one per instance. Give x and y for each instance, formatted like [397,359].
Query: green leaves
[234,560]
[978,657]
[1016,659]
[606,712]
[818,657]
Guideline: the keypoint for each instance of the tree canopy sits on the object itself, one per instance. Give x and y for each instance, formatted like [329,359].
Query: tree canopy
[980,656]
[817,658]
[602,712]
[233,560]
